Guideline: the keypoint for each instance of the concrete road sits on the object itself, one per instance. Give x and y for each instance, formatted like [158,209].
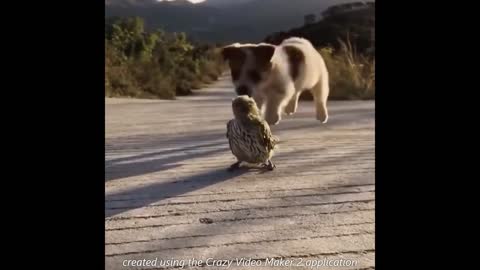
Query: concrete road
[171,202]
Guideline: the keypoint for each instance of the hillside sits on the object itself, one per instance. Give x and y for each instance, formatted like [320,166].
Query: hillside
[223,3]
[171,16]
[220,21]
[355,22]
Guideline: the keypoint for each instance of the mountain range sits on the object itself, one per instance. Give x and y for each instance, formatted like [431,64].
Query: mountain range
[221,21]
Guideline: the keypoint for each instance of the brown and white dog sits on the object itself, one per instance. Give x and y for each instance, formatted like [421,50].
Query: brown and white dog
[275,76]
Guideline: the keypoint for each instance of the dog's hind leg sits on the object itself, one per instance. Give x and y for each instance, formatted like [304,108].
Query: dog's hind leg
[320,95]
[292,105]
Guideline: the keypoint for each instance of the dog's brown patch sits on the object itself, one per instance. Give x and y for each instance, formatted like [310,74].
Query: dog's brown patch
[295,58]
[263,55]
[236,58]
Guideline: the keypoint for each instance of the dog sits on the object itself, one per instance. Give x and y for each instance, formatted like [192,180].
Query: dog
[275,76]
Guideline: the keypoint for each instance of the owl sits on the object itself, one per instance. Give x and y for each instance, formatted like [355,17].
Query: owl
[249,136]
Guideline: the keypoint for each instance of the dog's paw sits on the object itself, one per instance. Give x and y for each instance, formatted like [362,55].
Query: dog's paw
[322,118]
[274,122]
[289,111]
[322,113]
[273,119]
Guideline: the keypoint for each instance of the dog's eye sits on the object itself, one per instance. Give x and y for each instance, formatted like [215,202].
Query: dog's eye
[254,76]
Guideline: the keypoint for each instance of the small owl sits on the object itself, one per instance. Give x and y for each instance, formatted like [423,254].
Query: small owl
[249,135]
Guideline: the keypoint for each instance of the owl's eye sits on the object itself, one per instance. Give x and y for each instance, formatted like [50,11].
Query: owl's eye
[254,76]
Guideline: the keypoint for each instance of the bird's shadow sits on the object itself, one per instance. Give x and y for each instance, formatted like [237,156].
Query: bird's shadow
[157,192]
[148,163]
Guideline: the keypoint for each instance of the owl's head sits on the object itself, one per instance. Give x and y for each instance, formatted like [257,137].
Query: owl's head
[245,107]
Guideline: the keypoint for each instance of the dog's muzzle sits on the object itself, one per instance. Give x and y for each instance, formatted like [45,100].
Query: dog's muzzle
[243,90]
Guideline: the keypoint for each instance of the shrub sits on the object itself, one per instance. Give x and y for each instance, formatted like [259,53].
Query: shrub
[155,65]
[351,76]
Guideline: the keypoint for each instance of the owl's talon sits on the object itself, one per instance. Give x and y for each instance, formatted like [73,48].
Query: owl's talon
[234,166]
[269,165]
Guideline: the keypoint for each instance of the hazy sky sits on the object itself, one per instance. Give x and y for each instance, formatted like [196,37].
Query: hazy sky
[193,1]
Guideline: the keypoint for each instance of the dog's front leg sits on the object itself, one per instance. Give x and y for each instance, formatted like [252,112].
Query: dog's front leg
[260,100]
[277,98]
[292,105]
[275,106]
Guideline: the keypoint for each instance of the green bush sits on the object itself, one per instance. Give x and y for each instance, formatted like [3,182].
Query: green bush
[155,65]
[351,76]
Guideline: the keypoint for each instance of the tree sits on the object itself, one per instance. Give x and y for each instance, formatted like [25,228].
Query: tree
[309,19]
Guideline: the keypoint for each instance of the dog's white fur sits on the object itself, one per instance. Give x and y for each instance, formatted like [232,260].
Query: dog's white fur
[278,91]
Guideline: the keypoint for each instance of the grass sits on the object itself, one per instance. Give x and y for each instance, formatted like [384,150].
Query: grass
[156,64]
[352,76]
[137,79]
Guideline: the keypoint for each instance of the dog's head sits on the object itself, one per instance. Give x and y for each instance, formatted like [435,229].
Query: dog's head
[249,65]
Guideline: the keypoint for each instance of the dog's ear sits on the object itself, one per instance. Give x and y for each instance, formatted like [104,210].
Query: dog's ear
[231,52]
[263,54]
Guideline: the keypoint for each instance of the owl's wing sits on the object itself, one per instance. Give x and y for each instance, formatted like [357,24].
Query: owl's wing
[229,127]
[229,130]
[266,135]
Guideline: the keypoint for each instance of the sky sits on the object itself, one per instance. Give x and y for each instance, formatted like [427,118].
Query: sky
[193,1]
